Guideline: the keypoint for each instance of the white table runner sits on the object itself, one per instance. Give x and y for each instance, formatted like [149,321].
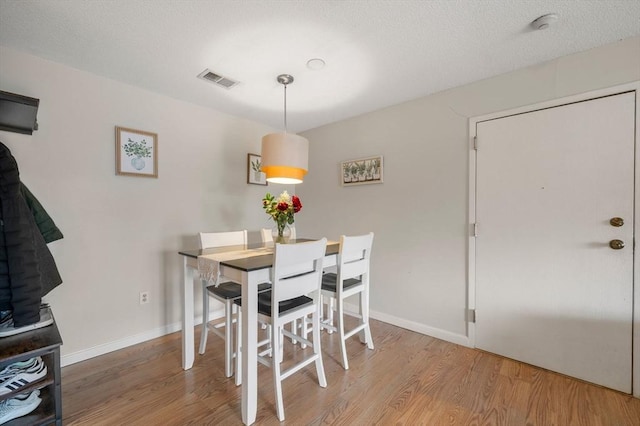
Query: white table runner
[209,264]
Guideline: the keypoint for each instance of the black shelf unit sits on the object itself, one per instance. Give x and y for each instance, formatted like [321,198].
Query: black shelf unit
[44,342]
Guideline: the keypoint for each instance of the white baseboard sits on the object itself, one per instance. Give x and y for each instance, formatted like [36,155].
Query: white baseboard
[459,339]
[105,348]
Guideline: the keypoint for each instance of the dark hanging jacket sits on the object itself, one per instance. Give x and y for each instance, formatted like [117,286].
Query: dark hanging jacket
[27,268]
[46,226]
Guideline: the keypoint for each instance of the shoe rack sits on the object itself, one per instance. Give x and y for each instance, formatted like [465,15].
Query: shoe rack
[44,342]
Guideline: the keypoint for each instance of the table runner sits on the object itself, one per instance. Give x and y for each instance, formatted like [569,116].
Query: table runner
[209,264]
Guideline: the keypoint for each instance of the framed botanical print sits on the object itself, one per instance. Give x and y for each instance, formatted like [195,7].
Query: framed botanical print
[255,175]
[361,171]
[136,153]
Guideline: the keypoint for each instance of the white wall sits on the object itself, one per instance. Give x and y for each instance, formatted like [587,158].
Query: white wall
[419,213]
[122,234]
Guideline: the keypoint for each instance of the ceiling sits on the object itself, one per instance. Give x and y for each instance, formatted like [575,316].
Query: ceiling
[377,52]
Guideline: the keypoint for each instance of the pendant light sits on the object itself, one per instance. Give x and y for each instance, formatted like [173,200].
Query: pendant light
[285,156]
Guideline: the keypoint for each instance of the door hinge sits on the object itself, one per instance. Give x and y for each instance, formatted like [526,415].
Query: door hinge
[471,315]
[475,230]
[475,143]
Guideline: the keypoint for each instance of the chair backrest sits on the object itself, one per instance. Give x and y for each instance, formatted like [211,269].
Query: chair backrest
[219,239]
[354,254]
[265,233]
[267,237]
[297,270]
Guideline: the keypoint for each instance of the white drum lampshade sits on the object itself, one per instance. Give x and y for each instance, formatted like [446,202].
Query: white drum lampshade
[285,157]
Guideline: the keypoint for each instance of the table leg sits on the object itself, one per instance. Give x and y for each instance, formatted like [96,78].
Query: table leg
[187,315]
[249,348]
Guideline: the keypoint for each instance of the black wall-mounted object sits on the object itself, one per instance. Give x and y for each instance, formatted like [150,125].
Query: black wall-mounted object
[18,113]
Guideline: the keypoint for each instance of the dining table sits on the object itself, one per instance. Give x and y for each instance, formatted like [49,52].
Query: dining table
[249,266]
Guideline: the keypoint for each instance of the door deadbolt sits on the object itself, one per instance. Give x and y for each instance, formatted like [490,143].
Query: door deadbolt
[616,221]
[616,244]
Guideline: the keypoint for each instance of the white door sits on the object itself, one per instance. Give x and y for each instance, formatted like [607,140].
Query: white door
[550,290]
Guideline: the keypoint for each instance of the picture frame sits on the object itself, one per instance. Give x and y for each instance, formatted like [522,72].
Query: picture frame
[255,176]
[136,152]
[362,171]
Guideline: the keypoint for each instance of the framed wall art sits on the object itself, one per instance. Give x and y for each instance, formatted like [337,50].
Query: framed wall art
[255,176]
[361,171]
[136,153]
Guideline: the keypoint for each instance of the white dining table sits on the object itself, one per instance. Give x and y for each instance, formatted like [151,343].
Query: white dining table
[249,271]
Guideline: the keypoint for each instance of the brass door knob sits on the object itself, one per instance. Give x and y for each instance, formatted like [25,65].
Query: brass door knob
[616,221]
[616,244]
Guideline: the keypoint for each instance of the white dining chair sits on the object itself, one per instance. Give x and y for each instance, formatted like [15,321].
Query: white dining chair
[296,278]
[267,237]
[225,292]
[352,278]
[265,234]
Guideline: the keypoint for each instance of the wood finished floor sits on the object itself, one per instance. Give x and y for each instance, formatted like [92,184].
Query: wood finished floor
[409,379]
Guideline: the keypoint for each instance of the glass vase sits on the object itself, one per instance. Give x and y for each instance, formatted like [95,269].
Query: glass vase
[281,234]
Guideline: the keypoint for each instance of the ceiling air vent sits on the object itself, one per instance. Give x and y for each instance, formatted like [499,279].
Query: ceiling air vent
[217,79]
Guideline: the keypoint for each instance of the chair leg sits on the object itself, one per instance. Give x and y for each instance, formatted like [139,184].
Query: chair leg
[205,320]
[270,337]
[281,343]
[364,314]
[304,329]
[330,313]
[343,346]
[294,330]
[238,347]
[277,380]
[228,338]
[322,379]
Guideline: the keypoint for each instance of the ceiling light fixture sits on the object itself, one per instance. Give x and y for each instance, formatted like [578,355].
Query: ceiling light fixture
[543,22]
[315,64]
[285,156]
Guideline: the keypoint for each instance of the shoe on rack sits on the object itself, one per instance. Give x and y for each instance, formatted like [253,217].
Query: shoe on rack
[19,406]
[22,373]
[19,365]
[7,327]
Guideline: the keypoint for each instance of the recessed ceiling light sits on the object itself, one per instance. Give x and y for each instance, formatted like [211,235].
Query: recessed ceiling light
[315,64]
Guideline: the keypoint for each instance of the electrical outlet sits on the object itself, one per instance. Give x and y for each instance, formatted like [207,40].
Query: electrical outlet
[144,297]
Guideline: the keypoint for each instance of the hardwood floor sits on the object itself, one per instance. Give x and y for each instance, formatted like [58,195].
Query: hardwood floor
[409,379]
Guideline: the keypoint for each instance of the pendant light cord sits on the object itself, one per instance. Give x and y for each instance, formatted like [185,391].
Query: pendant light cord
[285,107]
[285,79]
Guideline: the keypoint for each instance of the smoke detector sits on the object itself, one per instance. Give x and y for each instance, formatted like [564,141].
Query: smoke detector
[543,22]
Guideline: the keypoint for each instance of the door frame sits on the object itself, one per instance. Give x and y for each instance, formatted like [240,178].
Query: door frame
[471,264]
